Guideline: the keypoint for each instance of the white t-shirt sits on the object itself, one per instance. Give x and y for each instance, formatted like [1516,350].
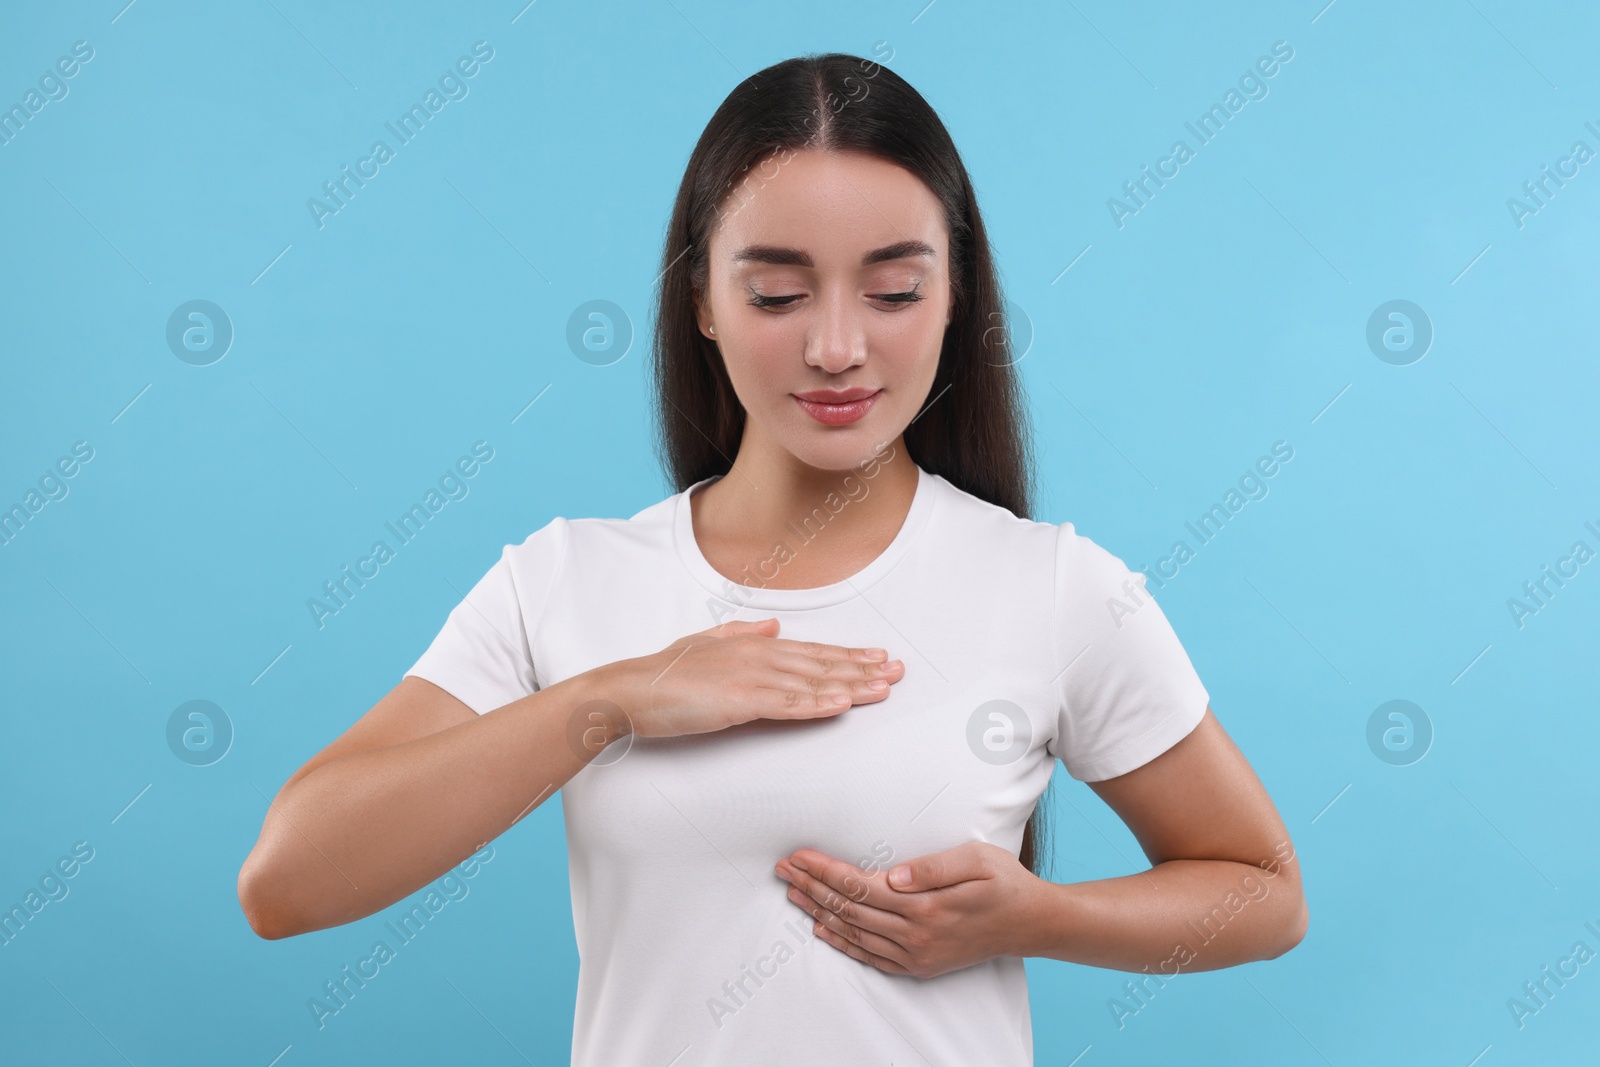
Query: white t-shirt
[1023,642]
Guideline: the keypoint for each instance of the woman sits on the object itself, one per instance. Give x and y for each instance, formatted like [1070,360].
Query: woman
[746,772]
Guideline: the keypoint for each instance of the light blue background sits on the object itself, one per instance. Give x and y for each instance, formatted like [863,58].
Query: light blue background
[1228,314]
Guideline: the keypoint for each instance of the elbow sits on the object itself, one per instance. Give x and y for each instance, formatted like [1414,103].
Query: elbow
[1296,931]
[259,903]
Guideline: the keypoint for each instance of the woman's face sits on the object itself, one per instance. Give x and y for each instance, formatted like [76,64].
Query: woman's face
[828,272]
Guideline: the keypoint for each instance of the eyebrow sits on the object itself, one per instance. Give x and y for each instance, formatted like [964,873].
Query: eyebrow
[794,257]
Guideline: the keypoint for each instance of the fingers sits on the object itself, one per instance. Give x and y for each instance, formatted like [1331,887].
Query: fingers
[786,679]
[794,696]
[807,685]
[854,929]
[808,665]
[854,951]
[788,696]
[821,651]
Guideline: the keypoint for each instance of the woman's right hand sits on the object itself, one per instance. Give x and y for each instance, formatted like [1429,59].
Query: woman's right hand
[739,671]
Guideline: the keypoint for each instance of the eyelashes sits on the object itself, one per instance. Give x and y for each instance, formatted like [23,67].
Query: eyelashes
[757,300]
[909,297]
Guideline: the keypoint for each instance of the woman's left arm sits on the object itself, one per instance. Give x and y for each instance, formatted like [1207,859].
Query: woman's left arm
[1224,888]
[1225,885]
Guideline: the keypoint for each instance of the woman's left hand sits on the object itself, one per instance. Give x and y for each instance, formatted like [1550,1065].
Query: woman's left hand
[957,908]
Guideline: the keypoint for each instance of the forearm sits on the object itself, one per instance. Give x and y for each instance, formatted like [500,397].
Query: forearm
[1179,916]
[361,832]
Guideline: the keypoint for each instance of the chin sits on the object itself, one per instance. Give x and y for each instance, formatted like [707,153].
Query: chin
[837,448]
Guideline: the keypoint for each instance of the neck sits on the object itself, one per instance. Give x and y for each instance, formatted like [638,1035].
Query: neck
[769,497]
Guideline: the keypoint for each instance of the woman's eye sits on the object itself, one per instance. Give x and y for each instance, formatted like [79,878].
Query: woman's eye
[910,297]
[762,301]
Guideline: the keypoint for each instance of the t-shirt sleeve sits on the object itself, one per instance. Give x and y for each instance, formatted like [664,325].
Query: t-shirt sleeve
[1126,691]
[483,656]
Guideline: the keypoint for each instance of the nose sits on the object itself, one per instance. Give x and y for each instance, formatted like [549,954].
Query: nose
[837,340]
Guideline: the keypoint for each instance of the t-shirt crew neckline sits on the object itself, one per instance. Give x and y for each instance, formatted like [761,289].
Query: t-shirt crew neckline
[755,596]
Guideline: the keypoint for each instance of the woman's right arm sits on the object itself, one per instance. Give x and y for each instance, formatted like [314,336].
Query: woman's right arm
[411,790]
[422,781]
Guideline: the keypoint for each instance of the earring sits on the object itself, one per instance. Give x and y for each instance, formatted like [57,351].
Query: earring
[712,330]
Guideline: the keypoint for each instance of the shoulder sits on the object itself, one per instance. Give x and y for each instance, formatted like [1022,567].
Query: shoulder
[562,535]
[1042,547]
[1077,566]
[957,507]
[1080,558]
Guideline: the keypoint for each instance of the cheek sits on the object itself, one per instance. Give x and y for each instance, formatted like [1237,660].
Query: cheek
[916,328]
[757,362]
[908,349]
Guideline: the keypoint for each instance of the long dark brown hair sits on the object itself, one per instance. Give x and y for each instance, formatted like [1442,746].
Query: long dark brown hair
[973,428]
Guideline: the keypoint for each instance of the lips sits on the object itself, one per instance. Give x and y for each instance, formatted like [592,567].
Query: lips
[836,396]
[837,407]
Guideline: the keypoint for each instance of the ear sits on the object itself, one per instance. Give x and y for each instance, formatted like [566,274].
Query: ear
[703,318]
